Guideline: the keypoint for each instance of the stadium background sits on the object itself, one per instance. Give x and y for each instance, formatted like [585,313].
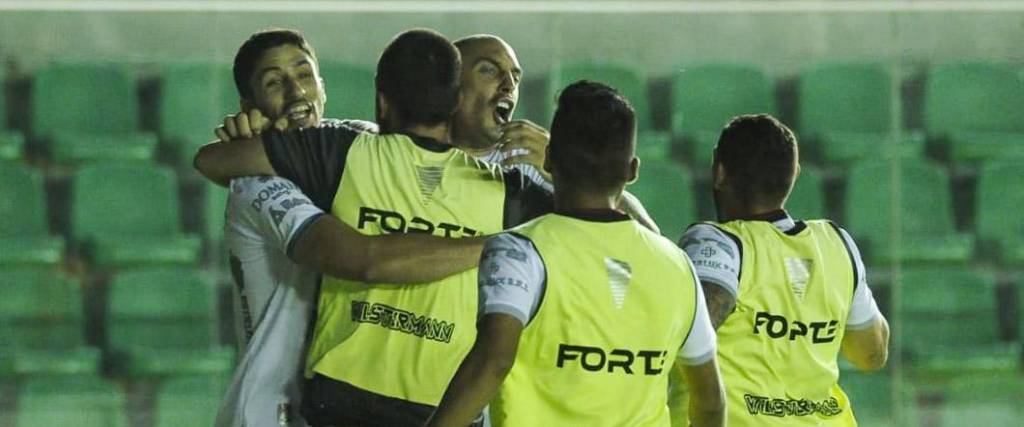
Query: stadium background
[115,301]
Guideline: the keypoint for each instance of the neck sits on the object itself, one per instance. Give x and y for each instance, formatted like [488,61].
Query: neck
[731,210]
[477,148]
[437,132]
[568,198]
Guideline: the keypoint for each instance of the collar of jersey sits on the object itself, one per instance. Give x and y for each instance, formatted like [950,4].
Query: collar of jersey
[429,144]
[594,215]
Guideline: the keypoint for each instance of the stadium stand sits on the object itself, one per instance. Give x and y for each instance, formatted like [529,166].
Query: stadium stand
[666,190]
[24,235]
[997,208]
[873,399]
[350,91]
[807,200]
[706,97]
[846,113]
[989,400]
[189,401]
[193,98]
[81,401]
[164,322]
[12,143]
[84,121]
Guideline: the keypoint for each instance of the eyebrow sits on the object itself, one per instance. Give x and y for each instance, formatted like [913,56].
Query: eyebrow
[298,63]
[518,72]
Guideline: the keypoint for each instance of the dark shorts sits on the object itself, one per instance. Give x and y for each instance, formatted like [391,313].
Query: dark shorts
[329,402]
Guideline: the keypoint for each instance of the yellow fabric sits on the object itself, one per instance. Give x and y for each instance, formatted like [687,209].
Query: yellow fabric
[778,351]
[406,341]
[613,289]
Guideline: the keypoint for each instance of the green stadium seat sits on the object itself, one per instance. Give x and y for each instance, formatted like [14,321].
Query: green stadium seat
[949,321]
[990,400]
[42,325]
[845,110]
[189,401]
[85,121]
[807,201]
[651,145]
[666,190]
[24,235]
[128,214]
[11,143]
[164,322]
[906,216]
[974,108]
[214,201]
[80,401]
[706,97]
[997,208]
[194,98]
[351,92]
[871,395]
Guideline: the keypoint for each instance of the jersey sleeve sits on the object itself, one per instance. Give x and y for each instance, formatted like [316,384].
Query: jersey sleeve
[312,158]
[864,309]
[275,208]
[525,199]
[511,277]
[715,256]
[700,344]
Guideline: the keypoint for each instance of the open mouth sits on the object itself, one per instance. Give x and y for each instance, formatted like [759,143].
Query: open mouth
[299,112]
[503,111]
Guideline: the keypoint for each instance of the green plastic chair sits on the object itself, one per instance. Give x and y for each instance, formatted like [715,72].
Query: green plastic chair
[949,321]
[666,190]
[351,91]
[807,201]
[976,108]
[916,202]
[871,395]
[986,400]
[706,97]
[194,98]
[997,208]
[846,108]
[80,401]
[24,235]
[128,214]
[164,322]
[42,325]
[85,121]
[189,401]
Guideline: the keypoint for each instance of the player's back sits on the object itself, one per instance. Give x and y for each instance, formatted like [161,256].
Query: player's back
[778,350]
[619,301]
[274,300]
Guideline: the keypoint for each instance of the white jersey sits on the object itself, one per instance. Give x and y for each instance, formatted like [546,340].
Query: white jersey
[274,301]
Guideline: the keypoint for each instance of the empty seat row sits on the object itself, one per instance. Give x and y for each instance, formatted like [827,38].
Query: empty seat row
[157,322]
[846,111]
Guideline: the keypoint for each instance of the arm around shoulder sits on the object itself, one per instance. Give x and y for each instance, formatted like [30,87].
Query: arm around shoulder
[221,161]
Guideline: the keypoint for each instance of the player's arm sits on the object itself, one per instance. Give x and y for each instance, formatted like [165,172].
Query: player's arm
[866,339]
[698,360]
[716,260]
[335,249]
[868,348]
[721,303]
[480,376]
[221,161]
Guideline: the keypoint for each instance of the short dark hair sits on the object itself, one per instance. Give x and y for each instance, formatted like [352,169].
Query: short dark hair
[255,46]
[759,154]
[593,136]
[419,74]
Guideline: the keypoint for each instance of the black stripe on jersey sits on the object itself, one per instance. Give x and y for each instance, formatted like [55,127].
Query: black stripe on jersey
[544,284]
[739,246]
[797,228]
[524,199]
[849,251]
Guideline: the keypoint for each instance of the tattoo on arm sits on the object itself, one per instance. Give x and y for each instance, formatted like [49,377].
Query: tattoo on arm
[720,302]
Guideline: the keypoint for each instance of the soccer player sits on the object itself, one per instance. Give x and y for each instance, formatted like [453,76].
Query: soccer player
[270,222]
[483,124]
[786,296]
[582,311]
[382,355]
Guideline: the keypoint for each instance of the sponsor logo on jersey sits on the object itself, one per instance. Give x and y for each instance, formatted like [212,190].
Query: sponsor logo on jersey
[394,222]
[778,327]
[402,321]
[596,359]
[760,405]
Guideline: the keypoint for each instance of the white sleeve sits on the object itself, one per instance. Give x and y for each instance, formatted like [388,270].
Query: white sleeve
[700,344]
[511,277]
[715,256]
[864,309]
[275,207]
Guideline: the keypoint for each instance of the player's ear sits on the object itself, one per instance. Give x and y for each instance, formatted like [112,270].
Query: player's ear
[718,175]
[634,170]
